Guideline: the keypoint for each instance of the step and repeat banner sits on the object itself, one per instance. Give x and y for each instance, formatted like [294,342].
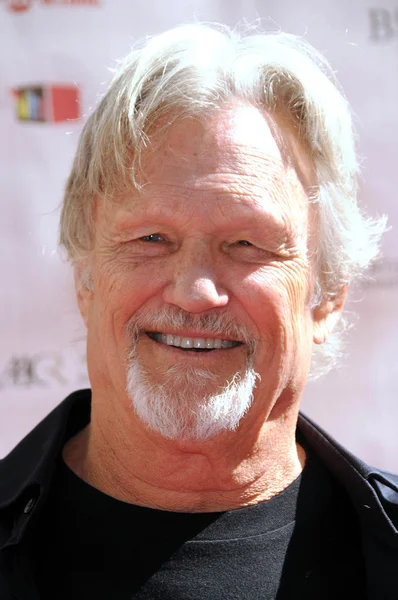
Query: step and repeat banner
[55,60]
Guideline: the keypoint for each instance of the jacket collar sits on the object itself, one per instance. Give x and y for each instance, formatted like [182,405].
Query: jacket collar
[373,492]
[25,474]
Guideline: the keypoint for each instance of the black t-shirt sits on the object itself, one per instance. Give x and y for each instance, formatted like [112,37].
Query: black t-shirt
[302,544]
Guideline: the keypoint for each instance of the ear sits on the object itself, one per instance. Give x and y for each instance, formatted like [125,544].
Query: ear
[326,316]
[84,291]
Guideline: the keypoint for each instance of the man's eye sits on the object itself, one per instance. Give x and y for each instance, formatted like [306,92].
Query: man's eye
[152,237]
[244,243]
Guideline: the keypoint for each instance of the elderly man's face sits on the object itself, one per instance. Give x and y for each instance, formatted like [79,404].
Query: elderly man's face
[214,251]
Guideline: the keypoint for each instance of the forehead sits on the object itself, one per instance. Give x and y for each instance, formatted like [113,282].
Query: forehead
[236,160]
[241,139]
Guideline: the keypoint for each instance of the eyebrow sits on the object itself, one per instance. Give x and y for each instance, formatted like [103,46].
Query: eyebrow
[265,206]
[266,228]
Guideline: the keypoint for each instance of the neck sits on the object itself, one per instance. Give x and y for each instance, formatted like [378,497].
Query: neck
[230,471]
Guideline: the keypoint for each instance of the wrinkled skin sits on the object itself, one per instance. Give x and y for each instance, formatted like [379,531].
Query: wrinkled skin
[225,203]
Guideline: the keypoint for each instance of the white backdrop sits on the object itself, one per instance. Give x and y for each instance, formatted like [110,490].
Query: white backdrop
[53,52]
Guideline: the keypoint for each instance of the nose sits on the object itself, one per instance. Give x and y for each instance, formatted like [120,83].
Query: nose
[194,286]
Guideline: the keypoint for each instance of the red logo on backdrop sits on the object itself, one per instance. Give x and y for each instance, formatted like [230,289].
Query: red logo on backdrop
[23,5]
[19,5]
[47,103]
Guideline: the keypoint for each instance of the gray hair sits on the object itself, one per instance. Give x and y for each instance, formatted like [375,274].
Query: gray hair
[194,68]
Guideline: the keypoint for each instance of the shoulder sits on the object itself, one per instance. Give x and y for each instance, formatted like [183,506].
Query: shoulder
[373,492]
[29,463]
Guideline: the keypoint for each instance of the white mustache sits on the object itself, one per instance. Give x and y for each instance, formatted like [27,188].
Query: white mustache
[167,319]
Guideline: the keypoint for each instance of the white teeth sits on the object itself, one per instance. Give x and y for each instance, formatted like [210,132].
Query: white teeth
[189,342]
[199,343]
[186,342]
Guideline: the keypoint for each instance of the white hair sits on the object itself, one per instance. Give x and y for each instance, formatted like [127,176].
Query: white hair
[192,69]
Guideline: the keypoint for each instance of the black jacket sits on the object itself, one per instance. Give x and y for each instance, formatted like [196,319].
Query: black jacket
[25,478]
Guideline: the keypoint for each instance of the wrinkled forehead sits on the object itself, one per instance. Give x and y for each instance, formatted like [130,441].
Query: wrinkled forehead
[236,138]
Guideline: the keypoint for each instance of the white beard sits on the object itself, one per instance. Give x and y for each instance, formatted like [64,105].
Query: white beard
[180,407]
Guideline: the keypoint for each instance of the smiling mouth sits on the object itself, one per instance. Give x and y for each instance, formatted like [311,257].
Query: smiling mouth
[195,344]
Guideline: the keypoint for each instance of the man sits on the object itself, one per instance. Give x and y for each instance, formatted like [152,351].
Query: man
[213,228]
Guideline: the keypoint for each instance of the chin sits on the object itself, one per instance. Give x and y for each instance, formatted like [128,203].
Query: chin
[188,404]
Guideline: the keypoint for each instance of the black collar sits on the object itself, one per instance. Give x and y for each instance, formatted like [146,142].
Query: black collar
[25,474]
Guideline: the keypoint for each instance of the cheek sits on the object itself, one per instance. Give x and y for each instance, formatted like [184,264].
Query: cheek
[263,302]
[121,289]
[278,300]
[294,293]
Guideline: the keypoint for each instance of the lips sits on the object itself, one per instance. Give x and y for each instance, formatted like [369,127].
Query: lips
[192,343]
